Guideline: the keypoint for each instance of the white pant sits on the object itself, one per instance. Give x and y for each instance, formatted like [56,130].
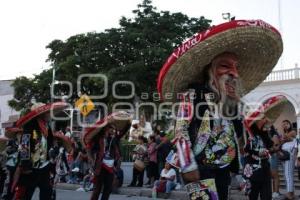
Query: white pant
[289,166]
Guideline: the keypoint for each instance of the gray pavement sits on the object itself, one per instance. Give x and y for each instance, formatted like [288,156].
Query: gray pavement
[68,191]
[74,195]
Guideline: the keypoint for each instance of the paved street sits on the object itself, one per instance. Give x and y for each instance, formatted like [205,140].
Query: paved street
[73,195]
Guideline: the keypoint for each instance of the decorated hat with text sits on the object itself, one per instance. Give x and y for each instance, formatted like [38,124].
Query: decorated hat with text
[257,45]
[270,108]
[39,109]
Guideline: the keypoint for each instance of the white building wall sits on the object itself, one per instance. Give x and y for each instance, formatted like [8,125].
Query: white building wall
[6,94]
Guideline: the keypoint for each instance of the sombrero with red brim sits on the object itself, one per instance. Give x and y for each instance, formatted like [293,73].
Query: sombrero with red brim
[66,141]
[271,109]
[257,45]
[39,110]
[11,132]
[119,119]
[3,142]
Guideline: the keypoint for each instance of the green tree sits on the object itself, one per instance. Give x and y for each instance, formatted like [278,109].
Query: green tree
[134,52]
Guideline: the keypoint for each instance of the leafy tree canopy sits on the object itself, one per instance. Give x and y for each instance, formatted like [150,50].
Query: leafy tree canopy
[133,52]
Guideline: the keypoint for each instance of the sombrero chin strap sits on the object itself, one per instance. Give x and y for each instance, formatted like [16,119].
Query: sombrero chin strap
[43,127]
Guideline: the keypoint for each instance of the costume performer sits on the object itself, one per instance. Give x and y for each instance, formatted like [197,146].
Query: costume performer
[33,168]
[205,74]
[13,134]
[3,157]
[257,171]
[102,143]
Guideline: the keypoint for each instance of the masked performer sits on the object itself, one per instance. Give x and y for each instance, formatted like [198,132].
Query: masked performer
[257,171]
[13,134]
[33,166]
[3,157]
[102,143]
[205,74]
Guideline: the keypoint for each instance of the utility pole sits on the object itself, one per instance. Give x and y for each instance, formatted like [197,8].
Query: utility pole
[280,30]
[53,82]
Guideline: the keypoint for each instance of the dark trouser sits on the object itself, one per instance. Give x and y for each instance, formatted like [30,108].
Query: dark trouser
[137,176]
[153,170]
[261,185]
[161,165]
[105,178]
[7,194]
[3,176]
[28,182]
[222,180]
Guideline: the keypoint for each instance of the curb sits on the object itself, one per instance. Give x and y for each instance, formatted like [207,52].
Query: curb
[132,191]
[67,186]
[147,192]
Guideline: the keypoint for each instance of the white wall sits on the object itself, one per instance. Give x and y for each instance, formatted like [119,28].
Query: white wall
[6,94]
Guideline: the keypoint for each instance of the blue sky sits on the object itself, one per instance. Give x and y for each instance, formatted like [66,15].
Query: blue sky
[28,26]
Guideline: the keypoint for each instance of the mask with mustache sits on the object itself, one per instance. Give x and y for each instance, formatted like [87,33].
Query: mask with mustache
[227,90]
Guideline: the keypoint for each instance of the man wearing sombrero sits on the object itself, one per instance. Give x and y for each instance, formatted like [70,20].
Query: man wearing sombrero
[205,74]
[257,171]
[3,174]
[34,166]
[102,143]
[13,134]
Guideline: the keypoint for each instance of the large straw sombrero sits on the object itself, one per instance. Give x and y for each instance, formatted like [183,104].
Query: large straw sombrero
[39,109]
[271,108]
[66,141]
[3,142]
[256,43]
[120,119]
[11,132]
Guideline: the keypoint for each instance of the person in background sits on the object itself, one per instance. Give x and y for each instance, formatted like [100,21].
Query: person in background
[163,150]
[135,131]
[157,130]
[146,126]
[87,184]
[167,181]
[298,153]
[273,134]
[62,167]
[140,127]
[152,153]
[139,153]
[289,144]
[156,134]
[68,132]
